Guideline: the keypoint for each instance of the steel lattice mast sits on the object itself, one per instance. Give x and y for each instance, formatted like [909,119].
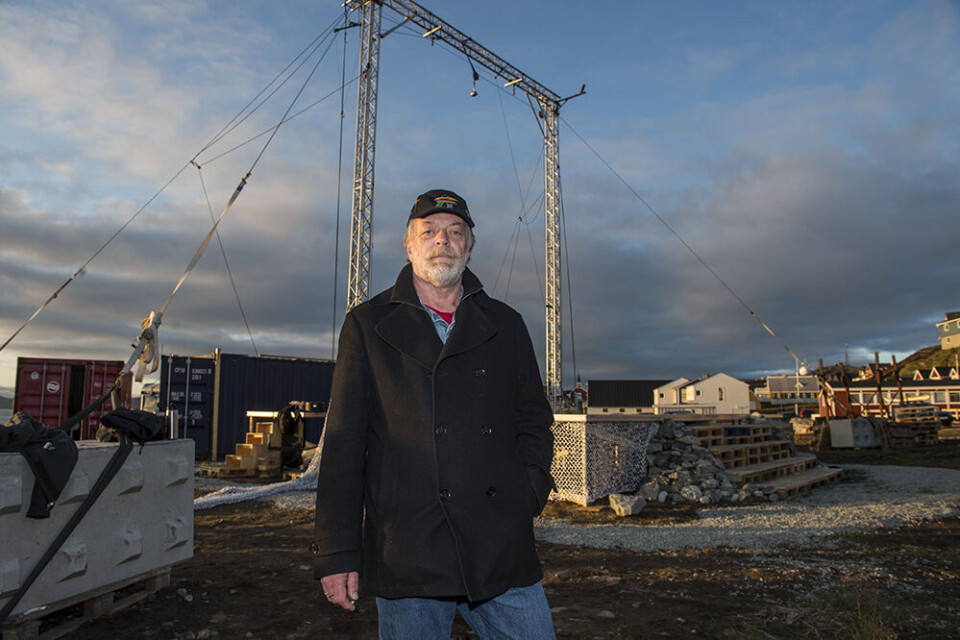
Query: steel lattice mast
[362,220]
[551,200]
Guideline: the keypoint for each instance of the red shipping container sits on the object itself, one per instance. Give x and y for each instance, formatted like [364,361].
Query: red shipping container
[51,390]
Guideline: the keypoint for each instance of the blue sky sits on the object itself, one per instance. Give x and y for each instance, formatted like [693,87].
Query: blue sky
[807,151]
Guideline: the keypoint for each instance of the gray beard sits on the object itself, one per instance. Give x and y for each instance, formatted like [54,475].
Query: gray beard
[441,275]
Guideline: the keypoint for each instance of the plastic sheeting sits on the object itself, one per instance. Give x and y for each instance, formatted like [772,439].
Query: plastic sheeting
[234,494]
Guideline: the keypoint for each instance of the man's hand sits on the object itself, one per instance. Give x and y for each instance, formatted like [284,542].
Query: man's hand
[342,589]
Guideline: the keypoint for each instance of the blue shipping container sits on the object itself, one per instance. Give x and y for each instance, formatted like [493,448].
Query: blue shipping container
[211,394]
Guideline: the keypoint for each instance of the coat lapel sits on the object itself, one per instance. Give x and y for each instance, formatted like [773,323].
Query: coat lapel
[408,330]
[462,339]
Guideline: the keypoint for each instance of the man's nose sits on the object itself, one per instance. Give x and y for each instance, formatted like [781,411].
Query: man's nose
[442,237]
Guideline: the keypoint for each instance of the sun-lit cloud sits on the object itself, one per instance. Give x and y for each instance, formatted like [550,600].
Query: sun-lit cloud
[813,171]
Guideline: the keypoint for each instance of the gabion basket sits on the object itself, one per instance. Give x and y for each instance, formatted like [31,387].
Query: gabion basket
[591,460]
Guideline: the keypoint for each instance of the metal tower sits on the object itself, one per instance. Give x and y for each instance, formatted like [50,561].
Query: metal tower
[549,104]
[361,219]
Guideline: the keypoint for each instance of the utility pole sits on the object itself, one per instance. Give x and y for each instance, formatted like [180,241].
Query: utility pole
[548,104]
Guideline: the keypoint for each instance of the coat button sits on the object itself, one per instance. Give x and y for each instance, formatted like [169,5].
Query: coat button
[485,430]
[314,549]
[491,491]
[446,494]
[440,430]
[480,373]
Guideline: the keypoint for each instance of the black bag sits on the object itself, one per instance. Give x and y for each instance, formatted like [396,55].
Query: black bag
[138,426]
[51,454]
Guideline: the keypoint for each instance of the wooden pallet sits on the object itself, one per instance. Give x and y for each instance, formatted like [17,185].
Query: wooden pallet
[913,434]
[802,483]
[773,470]
[710,436]
[268,466]
[44,625]
[213,470]
[741,455]
[717,435]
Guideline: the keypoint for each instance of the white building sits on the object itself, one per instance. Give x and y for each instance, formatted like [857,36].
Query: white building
[789,389]
[709,395]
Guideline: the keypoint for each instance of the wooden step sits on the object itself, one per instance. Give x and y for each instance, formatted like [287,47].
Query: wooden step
[802,483]
[709,436]
[254,450]
[767,471]
[727,434]
[741,455]
[240,462]
[258,438]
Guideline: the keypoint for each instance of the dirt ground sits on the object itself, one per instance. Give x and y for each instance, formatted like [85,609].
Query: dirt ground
[250,578]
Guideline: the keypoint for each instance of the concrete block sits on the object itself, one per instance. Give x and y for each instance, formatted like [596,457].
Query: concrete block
[129,544]
[70,561]
[11,494]
[141,523]
[9,576]
[77,488]
[178,470]
[130,477]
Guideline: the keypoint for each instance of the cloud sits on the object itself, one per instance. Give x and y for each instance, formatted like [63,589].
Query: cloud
[816,178]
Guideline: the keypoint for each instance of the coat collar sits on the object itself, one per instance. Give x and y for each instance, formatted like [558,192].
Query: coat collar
[408,328]
[404,291]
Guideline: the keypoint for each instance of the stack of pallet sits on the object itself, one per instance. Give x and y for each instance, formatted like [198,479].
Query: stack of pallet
[259,456]
[915,426]
[753,453]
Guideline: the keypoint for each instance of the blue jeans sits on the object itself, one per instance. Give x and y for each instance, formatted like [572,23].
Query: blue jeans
[521,613]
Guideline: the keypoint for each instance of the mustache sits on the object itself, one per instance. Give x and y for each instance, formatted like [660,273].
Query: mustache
[446,252]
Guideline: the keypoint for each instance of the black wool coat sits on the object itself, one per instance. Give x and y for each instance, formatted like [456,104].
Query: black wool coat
[436,457]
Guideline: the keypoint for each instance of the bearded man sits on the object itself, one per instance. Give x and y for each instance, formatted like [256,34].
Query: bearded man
[437,449]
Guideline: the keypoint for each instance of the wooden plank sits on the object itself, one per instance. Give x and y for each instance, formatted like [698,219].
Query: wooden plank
[766,471]
[803,483]
[38,625]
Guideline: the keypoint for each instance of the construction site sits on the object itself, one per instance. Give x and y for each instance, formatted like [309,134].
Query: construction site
[681,508]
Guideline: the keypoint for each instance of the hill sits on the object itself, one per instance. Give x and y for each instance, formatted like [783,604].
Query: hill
[929,357]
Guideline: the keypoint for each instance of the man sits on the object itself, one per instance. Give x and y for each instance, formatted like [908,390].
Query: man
[437,449]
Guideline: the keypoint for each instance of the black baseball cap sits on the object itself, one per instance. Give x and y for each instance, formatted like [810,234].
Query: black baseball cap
[441,201]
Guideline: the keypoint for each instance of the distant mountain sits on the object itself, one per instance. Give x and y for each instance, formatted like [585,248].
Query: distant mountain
[6,403]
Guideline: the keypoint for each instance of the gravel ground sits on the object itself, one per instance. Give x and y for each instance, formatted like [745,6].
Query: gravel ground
[869,496]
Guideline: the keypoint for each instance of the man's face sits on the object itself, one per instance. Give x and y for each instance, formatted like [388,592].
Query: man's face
[438,248]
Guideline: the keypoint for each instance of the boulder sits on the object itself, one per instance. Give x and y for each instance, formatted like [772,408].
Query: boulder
[626,505]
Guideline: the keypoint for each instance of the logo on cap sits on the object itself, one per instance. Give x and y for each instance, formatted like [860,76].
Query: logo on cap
[447,202]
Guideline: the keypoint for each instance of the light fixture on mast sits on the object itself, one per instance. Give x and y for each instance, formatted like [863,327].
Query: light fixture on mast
[476,76]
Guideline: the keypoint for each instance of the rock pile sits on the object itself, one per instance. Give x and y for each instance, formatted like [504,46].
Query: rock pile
[681,470]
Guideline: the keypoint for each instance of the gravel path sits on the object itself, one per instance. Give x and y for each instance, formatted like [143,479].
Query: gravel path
[870,496]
